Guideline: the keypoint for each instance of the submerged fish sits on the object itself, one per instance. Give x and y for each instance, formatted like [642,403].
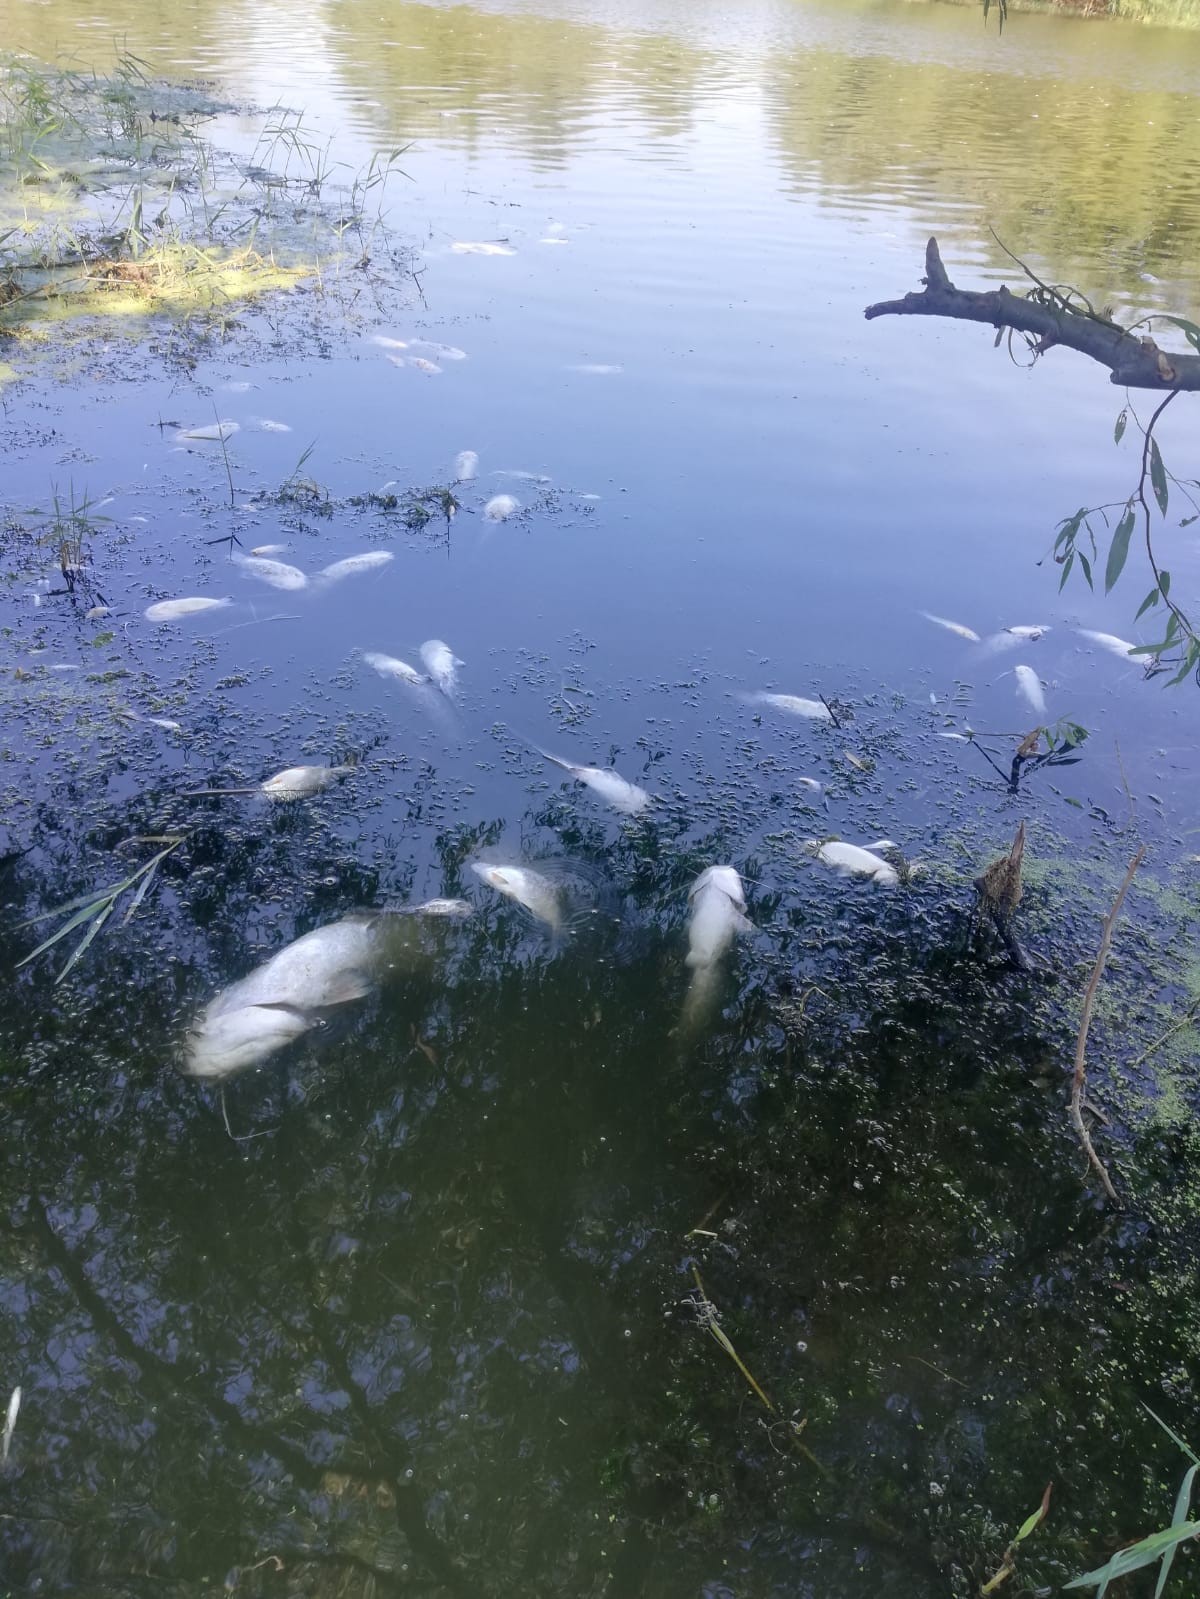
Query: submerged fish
[10,1423]
[856,860]
[540,897]
[794,705]
[441,663]
[1030,688]
[500,507]
[352,565]
[389,666]
[284,998]
[211,432]
[968,633]
[466,465]
[1108,641]
[278,574]
[718,913]
[388,344]
[612,788]
[472,247]
[172,610]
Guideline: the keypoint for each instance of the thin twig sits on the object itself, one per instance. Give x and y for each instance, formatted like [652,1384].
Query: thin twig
[1178,1027]
[1125,785]
[1085,1021]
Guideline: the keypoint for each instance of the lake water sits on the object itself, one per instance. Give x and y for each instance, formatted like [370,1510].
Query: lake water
[433,1322]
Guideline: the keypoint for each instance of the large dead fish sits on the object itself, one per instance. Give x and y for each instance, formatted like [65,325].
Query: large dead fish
[1109,642]
[354,566]
[794,705]
[1030,689]
[718,914]
[293,783]
[960,628]
[277,573]
[392,666]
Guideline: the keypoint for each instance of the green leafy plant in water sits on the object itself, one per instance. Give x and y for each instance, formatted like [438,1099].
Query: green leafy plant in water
[1159,1548]
[1008,1562]
[92,910]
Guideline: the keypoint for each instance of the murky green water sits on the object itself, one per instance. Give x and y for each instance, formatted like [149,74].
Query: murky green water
[431,1324]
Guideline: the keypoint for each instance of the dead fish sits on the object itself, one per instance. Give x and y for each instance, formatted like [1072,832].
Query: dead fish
[1032,633]
[353,565]
[165,722]
[211,432]
[809,783]
[96,612]
[430,368]
[553,240]
[539,896]
[961,738]
[265,425]
[523,476]
[240,387]
[385,343]
[172,610]
[1030,688]
[466,465]
[10,1423]
[718,913]
[269,549]
[64,666]
[441,663]
[856,860]
[596,369]
[1109,642]
[440,352]
[500,507]
[285,997]
[968,633]
[451,909]
[612,788]
[794,705]
[301,782]
[278,574]
[472,247]
[389,666]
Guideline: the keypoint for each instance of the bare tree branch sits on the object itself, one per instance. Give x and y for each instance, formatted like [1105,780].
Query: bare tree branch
[1135,363]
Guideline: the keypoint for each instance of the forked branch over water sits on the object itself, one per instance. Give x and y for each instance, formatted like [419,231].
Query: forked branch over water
[1049,318]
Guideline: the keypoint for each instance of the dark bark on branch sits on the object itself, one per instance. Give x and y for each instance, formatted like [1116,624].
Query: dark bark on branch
[1135,363]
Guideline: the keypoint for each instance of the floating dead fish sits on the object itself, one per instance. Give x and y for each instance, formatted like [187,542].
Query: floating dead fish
[286,997]
[794,705]
[718,913]
[10,1424]
[1030,688]
[301,782]
[430,368]
[549,240]
[278,574]
[441,663]
[968,633]
[239,387]
[165,722]
[389,666]
[500,507]
[265,425]
[539,896]
[211,432]
[856,860]
[961,738]
[809,783]
[172,610]
[353,565]
[466,465]
[612,788]
[473,247]
[522,476]
[385,343]
[452,909]
[596,369]
[1109,642]
[64,666]
[439,352]
[269,549]
[96,612]
[1032,633]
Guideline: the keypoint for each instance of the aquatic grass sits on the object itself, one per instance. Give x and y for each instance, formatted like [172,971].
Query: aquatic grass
[92,910]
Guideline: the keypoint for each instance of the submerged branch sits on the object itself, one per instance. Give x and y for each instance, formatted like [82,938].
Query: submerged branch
[1085,1021]
[1135,363]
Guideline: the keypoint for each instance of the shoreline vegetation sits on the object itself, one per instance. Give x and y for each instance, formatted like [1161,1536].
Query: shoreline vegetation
[1153,13]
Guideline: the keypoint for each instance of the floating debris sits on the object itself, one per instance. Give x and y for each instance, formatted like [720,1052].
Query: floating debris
[794,705]
[452,909]
[96,612]
[278,574]
[439,352]
[537,894]
[1030,688]
[855,860]
[389,666]
[353,565]
[441,663]
[172,610]
[500,507]
[473,247]
[466,465]
[959,628]
[269,549]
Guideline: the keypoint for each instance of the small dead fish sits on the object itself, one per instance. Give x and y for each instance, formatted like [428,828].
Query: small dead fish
[278,574]
[856,860]
[385,343]
[96,612]
[211,432]
[441,663]
[554,240]
[265,425]
[64,666]
[523,476]
[1109,642]
[472,247]
[240,387]
[172,610]
[718,913]
[389,666]
[261,550]
[794,705]
[165,722]
[596,369]
[809,783]
[301,782]
[452,909]
[857,761]
[440,352]
[10,1423]
[500,507]
[1030,688]
[968,633]
[466,465]
[612,788]
[430,368]
[1026,632]
[961,738]
[539,896]
[352,565]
